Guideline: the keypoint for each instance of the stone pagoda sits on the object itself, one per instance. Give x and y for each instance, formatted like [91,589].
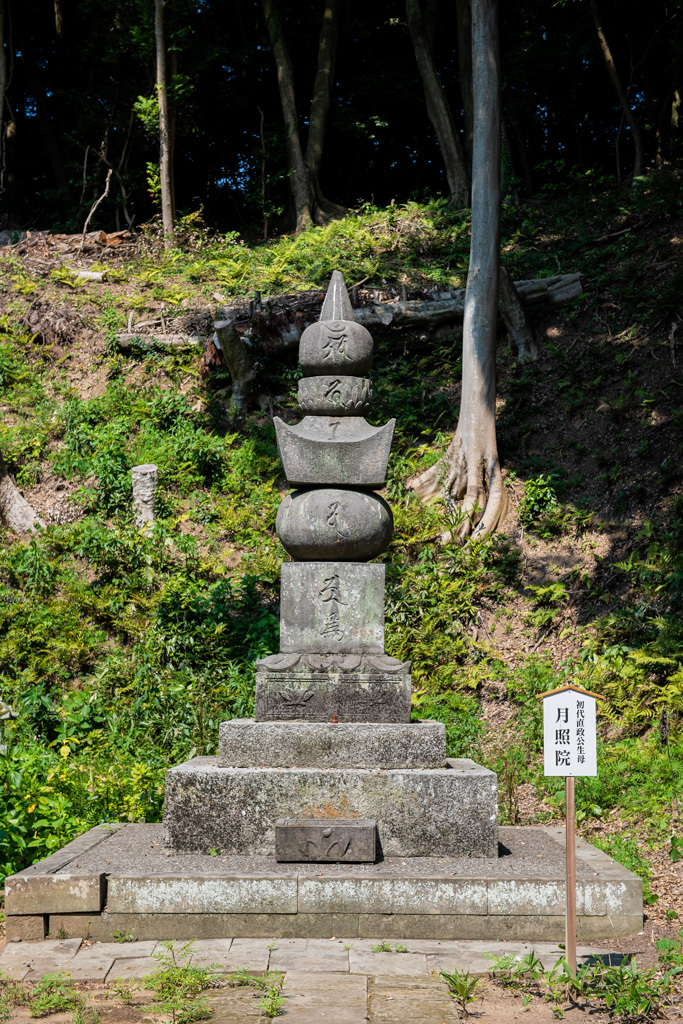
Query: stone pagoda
[331,812]
[331,767]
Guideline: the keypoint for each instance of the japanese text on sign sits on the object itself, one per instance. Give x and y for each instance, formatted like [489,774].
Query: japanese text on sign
[569,739]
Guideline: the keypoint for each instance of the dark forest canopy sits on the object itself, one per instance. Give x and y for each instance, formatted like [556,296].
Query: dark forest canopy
[80,97]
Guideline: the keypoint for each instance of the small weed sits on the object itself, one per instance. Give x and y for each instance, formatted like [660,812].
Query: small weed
[272,1002]
[178,985]
[386,947]
[243,977]
[54,993]
[122,936]
[124,991]
[349,945]
[272,945]
[461,987]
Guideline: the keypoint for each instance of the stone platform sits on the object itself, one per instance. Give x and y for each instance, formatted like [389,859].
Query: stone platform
[452,810]
[122,878]
[244,743]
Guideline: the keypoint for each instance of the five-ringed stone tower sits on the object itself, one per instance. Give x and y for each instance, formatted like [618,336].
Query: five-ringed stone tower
[332,660]
[331,768]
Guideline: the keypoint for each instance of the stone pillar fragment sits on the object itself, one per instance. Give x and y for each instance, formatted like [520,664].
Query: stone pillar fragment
[145,482]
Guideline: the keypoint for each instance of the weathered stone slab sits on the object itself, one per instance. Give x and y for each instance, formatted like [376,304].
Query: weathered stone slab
[315,696]
[132,968]
[357,894]
[387,964]
[397,1000]
[26,928]
[335,395]
[187,926]
[332,608]
[118,950]
[334,523]
[76,848]
[238,894]
[313,997]
[346,451]
[325,842]
[332,957]
[419,812]
[55,894]
[84,968]
[244,743]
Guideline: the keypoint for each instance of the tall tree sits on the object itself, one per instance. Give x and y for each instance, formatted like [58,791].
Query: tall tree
[437,106]
[165,171]
[3,87]
[629,116]
[310,205]
[471,468]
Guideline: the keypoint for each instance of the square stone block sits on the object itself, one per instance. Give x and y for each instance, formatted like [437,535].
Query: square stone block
[332,608]
[55,894]
[244,743]
[325,842]
[426,812]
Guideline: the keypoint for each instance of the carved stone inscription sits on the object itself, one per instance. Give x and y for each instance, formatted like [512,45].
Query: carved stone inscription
[317,696]
[325,841]
[332,607]
[335,395]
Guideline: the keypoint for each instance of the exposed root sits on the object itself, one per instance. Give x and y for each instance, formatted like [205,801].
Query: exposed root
[428,484]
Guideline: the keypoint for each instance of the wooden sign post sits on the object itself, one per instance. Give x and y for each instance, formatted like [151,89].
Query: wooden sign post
[570,749]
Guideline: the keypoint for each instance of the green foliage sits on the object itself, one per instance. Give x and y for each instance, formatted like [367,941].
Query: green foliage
[461,987]
[54,993]
[178,985]
[272,1002]
[386,947]
[628,851]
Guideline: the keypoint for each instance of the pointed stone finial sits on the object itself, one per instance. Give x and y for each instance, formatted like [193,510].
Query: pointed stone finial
[336,344]
[337,304]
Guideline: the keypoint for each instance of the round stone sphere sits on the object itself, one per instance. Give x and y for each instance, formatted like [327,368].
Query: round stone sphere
[335,346]
[332,524]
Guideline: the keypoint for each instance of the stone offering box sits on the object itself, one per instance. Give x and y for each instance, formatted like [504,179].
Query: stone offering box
[331,812]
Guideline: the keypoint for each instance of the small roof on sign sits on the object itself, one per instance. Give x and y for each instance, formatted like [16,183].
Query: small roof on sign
[569,686]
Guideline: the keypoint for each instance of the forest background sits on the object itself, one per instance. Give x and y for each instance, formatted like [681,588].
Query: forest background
[121,652]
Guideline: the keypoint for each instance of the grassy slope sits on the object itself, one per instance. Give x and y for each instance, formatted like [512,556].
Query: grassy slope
[122,653]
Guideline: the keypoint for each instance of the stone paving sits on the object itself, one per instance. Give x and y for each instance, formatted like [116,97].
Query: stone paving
[327,981]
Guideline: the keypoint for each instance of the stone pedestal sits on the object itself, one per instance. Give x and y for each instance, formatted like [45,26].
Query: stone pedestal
[244,743]
[420,812]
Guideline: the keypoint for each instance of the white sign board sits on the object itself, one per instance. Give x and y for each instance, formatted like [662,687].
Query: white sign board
[569,734]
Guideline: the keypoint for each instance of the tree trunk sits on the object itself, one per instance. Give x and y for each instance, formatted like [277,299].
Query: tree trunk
[15,511]
[463,13]
[437,107]
[471,469]
[298,177]
[164,132]
[629,116]
[324,210]
[3,86]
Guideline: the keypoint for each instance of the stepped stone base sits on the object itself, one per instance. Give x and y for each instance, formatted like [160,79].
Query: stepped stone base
[451,811]
[244,743]
[121,878]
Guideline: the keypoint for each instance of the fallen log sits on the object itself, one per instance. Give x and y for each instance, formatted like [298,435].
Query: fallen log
[129,342]
[15,511]
[279,322]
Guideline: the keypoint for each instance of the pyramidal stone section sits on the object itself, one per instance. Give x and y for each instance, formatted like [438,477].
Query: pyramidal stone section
[332,741]
[332,662]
